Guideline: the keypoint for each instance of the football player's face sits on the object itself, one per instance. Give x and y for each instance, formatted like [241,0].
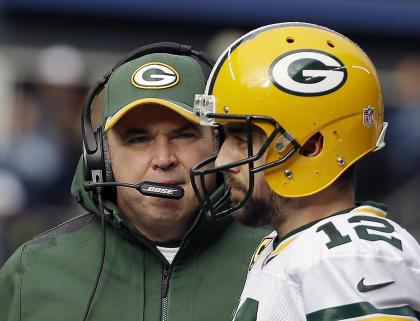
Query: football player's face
[262,207]
[154,143]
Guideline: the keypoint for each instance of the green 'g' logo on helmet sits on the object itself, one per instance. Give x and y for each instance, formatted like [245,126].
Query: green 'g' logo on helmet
[308,73]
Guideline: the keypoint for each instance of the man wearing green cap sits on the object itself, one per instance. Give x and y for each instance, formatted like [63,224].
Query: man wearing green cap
[164,259]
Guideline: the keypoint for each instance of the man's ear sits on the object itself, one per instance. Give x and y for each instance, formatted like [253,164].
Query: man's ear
[313,146]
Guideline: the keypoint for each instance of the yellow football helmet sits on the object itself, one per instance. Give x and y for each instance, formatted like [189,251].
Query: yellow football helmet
[295,80]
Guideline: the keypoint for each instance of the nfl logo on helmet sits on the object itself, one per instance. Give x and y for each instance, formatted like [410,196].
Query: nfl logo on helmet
[368,116]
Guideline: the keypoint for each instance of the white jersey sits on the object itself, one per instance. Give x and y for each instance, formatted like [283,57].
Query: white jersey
[355,265]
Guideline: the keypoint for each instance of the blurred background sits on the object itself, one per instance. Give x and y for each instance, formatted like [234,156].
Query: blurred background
[52,52]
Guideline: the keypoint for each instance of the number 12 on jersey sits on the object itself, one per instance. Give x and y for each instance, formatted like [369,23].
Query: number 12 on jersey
[364,232]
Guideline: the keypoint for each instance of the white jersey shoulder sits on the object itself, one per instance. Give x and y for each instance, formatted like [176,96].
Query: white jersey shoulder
[356,265]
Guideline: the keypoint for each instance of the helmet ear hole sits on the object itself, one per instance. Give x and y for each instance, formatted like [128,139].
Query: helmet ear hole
[313,146]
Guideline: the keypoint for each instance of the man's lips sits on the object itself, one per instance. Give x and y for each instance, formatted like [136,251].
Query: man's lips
[172,182]
[235,189]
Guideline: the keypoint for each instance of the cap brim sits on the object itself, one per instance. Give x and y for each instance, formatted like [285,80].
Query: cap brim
[178,107]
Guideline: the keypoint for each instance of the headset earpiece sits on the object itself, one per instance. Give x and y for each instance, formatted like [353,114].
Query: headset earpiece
[94,160]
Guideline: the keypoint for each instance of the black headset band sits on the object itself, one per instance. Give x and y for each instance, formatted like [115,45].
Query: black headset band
[165,47]
[89,140]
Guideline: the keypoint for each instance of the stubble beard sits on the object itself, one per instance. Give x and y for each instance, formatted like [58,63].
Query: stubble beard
[262,209]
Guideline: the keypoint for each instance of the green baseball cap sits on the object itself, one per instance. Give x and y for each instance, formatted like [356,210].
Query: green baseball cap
[159,78]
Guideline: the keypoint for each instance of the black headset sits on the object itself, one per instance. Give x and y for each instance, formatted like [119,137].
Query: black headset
[95,154]
[96,160]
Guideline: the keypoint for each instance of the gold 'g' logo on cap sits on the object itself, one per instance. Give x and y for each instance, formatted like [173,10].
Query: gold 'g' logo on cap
[155,75]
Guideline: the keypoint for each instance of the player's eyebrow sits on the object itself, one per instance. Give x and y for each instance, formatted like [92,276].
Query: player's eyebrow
[235,129]
[240,129]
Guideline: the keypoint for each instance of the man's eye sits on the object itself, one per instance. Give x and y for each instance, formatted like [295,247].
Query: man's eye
[138,139]
[241,139]
[186,135]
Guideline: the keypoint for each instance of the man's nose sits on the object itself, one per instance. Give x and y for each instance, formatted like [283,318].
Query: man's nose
[226,156]
[163,154]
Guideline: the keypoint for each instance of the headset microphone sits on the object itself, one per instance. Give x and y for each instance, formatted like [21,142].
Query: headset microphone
[146,188]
